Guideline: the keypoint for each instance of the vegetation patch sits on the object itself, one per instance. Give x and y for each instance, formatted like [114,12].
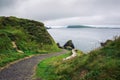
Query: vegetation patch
[23,35]
[9,57]
[99,64]
[45,67]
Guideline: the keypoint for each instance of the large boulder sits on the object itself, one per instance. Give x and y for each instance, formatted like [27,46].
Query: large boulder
[69,45]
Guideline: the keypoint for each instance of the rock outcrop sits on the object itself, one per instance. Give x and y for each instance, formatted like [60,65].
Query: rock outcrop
[69,45]
[105,43]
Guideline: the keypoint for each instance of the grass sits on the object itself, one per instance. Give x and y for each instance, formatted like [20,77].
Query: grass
[45,65]
[49,48]
[9,57]
[99,64]
[30,36]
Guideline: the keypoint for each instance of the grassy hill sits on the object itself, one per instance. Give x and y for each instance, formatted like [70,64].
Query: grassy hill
[28,36]
[99,64]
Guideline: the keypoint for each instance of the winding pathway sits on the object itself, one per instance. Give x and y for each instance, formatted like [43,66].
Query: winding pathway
[24,69]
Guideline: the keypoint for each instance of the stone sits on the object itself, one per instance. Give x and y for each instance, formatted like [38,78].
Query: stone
[69,45]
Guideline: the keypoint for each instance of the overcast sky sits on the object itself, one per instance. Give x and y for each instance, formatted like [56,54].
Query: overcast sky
[64,12]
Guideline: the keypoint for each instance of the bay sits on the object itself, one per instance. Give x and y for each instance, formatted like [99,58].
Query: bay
[84,39]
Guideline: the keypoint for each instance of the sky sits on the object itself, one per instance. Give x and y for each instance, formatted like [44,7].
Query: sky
[64,12]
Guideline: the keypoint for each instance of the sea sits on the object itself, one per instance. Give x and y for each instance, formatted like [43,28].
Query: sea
[84,39]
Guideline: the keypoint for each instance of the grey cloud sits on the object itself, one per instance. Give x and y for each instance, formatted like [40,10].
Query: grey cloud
[6,3]
[62,12]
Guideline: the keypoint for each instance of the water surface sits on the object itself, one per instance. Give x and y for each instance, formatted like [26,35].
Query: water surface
[84,39]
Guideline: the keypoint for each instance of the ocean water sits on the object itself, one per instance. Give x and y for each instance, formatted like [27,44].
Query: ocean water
[85,39]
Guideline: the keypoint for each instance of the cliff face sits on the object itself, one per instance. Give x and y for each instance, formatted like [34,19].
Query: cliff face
[27,34]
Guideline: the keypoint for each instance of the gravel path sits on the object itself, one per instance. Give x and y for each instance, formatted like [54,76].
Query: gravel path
[24,69]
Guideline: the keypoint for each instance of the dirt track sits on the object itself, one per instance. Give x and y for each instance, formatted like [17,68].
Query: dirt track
[24,69]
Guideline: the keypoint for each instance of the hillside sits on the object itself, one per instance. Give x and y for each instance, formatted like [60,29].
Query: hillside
[28,34]
[19,35]
[99,64]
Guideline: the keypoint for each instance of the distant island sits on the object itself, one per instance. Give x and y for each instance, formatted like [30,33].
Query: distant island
[78,26]
[83,26]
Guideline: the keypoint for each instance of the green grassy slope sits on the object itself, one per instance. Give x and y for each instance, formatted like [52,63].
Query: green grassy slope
[30,37]
[99,64]
[28,34]
[44,67]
